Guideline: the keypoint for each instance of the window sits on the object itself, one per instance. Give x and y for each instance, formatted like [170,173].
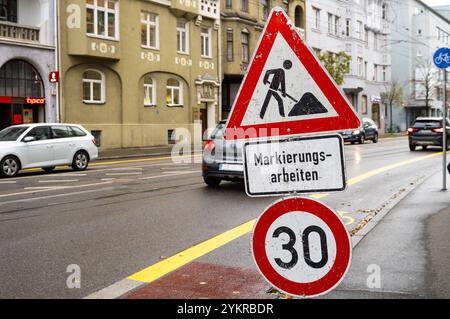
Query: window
[364,104]
[336,25]
[149,30]
[375,72]
[230,53]
[285,6]
[149,91]
[299,17]
[347,27]
[359,30]
[229,4]
[244,5]
[19,78]
[360,66]
[384,11]
[245,39]
[205,36]
[8,10]
[93,87]
[316,15]
[365,70]
[375,41]
[76,131]
[330,23]
[60,131]
[419,52]
[384,74]
[265,9]
[40,133]
[182,37]
[174,95]
[102,18]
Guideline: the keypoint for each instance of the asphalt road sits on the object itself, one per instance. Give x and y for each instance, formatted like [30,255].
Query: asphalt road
[122,216]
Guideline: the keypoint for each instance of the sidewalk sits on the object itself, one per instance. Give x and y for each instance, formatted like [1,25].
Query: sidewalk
[410,247]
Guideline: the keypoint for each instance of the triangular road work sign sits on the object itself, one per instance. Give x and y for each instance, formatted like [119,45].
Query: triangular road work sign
[286,91]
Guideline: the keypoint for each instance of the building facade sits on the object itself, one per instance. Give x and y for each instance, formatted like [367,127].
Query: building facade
[27,57]
[135,71]
[417,32]
[360,28]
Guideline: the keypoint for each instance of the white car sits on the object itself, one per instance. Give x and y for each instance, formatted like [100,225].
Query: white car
[46,146]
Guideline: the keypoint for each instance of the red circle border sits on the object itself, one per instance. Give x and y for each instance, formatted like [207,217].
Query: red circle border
[343,247]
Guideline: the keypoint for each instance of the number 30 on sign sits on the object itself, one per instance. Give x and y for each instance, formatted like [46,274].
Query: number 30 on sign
[301,247]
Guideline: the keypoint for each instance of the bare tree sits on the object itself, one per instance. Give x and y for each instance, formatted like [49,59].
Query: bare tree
[424,82]
[392,96]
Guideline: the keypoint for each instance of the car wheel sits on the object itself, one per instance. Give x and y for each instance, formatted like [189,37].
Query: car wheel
[212,181]
[48,169]
[412,147]
[80,161]
[375,138]
[424,147]
[10,166]
[353,143]
[362,139]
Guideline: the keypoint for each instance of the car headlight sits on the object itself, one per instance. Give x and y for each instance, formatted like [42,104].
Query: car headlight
[356,132]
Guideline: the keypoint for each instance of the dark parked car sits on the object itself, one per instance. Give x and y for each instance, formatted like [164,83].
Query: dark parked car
[427,131]
[368,131]
[222,159]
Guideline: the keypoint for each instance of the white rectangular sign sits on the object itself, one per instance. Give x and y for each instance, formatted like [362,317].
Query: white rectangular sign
[295,165]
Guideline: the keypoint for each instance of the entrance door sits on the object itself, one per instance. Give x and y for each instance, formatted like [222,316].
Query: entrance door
[204,119]
[376,114]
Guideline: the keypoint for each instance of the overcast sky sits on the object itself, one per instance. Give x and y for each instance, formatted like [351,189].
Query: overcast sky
[433,3]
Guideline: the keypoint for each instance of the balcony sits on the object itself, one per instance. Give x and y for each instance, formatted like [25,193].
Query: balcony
[190,9]
[14,31]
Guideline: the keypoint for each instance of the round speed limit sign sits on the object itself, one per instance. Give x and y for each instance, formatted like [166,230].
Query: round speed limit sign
[301,247]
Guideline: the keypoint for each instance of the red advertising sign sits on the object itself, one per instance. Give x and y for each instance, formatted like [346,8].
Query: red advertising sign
[33,100]
[54,77]
[17,119]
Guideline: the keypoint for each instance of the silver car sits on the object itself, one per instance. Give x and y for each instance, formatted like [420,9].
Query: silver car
[222,159]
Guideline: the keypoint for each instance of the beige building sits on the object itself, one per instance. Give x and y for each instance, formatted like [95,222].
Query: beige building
[133,71]
[242,24]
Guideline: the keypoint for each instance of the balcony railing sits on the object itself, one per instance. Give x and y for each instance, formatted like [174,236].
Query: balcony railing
[19,32]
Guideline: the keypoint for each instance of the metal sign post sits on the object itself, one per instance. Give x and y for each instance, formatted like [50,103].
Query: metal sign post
[444,136]
[441,59]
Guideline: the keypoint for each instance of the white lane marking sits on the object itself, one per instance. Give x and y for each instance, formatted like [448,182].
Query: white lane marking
[104,189]
[120,174]
[8,182]
[58,181]
[168,175]
[176,172]
[108,179]
[128,169]
[50,189]
[70,175]
[46,187]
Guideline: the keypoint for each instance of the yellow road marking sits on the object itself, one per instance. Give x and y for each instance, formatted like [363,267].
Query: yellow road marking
[170,264]
[348,220]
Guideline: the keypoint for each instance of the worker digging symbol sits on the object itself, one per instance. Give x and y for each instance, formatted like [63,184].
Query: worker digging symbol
[308,104]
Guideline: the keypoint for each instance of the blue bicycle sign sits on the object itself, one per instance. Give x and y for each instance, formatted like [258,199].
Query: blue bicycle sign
[442,58]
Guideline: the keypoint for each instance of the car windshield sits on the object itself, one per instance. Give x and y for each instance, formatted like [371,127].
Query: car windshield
[218,131]
[11,133]
[428,124]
